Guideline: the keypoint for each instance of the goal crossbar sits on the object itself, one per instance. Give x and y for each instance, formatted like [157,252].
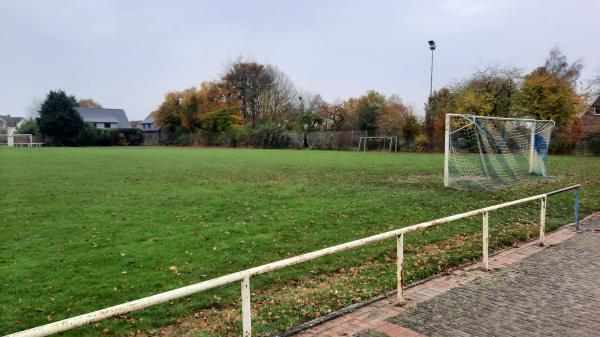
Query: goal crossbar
[501,118]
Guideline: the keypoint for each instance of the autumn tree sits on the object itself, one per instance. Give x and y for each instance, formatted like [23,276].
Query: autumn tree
[392,117]
[440,103]
[550,91]
[489,92]
[398,119]
[369,108]
[185,108]
[334,116]
[248,81]
[88,103]
[410,127]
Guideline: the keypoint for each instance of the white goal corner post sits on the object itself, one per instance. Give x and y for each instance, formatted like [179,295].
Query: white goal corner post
[485,151]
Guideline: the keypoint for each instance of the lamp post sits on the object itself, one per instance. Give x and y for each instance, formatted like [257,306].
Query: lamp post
[432,48]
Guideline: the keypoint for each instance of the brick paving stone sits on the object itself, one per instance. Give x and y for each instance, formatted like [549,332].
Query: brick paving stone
[370,333]
[553,292]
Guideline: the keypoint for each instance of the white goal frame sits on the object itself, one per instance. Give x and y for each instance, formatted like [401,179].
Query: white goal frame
[10,140]
[393,142]
[466,116]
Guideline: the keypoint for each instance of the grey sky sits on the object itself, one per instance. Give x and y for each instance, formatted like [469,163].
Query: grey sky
[127,54]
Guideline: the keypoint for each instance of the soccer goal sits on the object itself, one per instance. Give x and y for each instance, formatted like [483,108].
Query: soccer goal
[483,151]
[18,140]
[386,143]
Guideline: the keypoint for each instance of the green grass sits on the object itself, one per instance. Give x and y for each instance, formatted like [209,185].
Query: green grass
[86,228]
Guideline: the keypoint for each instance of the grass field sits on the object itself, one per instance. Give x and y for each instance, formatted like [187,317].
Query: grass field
[85,228]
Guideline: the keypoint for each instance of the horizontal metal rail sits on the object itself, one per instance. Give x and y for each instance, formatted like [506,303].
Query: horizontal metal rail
[244,275]
[503,118]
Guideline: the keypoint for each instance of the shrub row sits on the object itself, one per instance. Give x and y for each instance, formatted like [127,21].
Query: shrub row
[591,145]
[90,136]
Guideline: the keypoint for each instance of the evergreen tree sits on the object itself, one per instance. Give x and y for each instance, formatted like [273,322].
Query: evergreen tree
[58,121]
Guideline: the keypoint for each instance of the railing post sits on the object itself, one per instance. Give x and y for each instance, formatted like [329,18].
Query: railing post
[543,219]
[577,226]
[246,310]
[400,262]
[486,264]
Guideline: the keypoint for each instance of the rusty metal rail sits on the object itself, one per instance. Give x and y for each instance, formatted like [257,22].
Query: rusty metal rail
[245,275]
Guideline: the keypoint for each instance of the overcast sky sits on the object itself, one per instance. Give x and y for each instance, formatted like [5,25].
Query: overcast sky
[127,54]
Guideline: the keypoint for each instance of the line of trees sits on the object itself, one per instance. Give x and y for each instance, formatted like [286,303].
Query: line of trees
[550,91]
[257,104]
[251,96]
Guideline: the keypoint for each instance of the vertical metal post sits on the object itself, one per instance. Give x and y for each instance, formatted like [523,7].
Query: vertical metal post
[486,264]
[447,151]
[577,226]
[246,310]
[532,148]
[543,219]
[400,262]
[431,76]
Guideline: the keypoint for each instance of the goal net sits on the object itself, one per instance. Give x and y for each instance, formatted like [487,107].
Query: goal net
[483,152]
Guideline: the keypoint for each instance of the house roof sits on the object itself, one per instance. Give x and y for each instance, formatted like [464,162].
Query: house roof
[11,121]
[101,115]
[149,120]
[596,104]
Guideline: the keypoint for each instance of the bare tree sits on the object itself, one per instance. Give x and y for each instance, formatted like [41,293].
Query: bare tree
[278,101]
[557,64]
[591,90]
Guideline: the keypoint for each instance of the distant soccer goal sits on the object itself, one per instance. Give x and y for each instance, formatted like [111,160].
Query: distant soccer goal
[383,143]
[482,151]
[18,140]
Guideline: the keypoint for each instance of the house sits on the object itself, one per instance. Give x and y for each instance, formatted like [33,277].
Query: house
[590,120]
[105,118]
[151,130]
[9,124]
[8,127]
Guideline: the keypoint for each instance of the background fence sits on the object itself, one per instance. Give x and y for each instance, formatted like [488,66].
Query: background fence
[317,140]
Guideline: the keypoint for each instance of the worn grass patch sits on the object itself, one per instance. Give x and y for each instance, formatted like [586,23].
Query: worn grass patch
[88,228]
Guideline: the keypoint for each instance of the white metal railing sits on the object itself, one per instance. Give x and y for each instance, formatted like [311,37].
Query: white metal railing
[244,276]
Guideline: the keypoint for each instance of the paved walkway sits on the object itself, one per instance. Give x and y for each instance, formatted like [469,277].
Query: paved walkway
[553,293]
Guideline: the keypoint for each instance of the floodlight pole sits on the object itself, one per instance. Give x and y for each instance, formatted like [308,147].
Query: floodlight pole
[432,48]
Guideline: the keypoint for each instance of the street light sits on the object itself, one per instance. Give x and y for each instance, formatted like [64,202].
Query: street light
[432,48]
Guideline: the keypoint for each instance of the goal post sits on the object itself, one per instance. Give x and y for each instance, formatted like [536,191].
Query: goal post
[485,151]
[392,145]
